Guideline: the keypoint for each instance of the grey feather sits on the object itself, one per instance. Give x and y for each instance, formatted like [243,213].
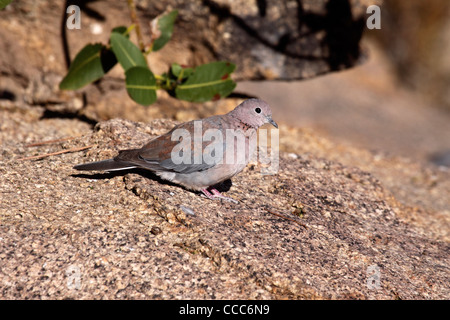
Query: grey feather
[104,165]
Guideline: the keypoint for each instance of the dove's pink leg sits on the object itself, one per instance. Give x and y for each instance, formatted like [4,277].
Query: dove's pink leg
[216,195]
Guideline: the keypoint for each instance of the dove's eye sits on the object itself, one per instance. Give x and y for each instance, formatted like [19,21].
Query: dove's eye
[258,110]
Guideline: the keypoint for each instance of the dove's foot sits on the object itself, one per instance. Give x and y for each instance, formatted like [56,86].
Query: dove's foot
[215,194]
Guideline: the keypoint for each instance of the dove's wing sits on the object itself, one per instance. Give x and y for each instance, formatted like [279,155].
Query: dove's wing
[157,155]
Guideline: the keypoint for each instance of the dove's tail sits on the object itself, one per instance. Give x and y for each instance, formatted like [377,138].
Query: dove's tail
[105,165]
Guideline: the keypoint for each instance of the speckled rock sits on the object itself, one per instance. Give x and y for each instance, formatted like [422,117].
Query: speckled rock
[315,230]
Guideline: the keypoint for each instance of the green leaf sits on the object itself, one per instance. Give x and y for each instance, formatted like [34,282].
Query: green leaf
[209,81]
[121,30]
[180,72]
[4,3]
[164,26]
[141,85]
[90,64]
[126,52]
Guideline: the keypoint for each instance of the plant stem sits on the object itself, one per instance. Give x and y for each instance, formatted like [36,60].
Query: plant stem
[129,29]
[134,18]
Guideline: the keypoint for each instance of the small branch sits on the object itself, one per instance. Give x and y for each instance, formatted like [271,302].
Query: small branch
[55,153]
[36,144]
[281,216]
[64,41]
[134,18]
[129,29]
[154,34]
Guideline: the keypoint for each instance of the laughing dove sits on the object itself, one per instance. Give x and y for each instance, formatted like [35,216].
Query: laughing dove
[198,154]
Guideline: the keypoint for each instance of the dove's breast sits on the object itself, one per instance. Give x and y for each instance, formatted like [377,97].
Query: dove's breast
[235,158]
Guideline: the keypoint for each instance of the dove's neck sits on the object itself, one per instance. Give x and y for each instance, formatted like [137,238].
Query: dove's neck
[239,125]
[240,122]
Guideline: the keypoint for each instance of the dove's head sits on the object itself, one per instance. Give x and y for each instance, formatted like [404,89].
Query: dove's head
[254,112]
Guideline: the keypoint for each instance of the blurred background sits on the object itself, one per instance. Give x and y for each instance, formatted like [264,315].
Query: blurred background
[314,61]
[398,101]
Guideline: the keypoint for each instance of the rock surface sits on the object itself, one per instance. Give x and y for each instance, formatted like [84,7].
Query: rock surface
[309,232]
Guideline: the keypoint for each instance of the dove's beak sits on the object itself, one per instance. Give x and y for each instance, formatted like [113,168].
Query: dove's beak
[269,119]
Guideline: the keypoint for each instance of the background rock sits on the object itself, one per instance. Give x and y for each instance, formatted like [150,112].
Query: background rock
[312,38]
